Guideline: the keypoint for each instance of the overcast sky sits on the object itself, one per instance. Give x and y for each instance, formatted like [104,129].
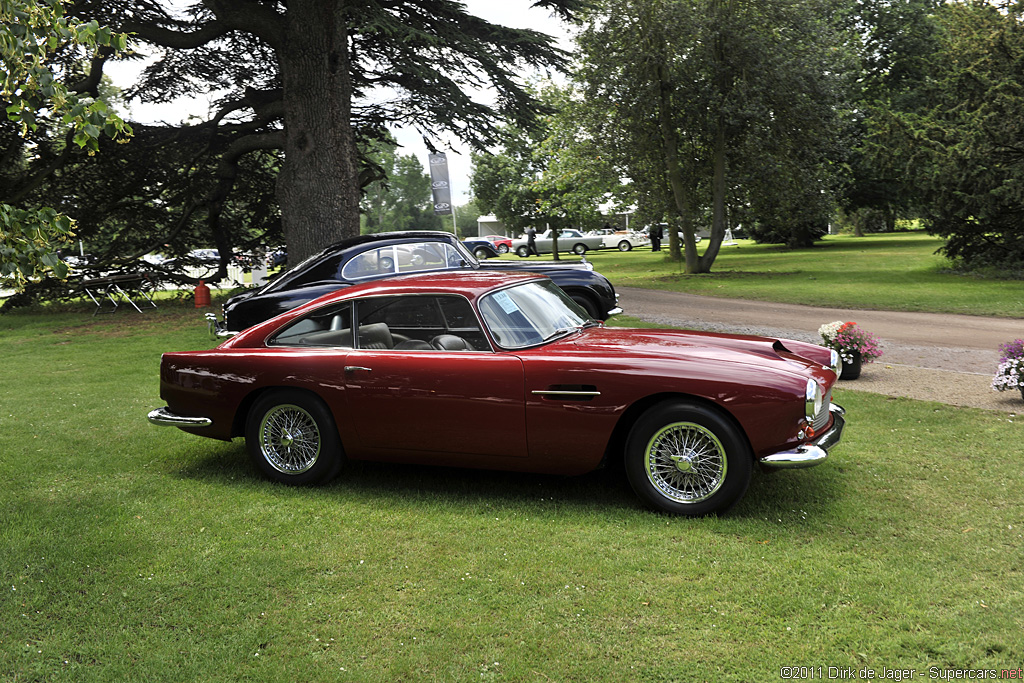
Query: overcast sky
[514,13]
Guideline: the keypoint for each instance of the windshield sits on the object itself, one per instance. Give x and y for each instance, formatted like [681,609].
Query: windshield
[530,314]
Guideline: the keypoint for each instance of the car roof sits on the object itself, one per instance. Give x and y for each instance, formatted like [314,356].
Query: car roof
[472,284]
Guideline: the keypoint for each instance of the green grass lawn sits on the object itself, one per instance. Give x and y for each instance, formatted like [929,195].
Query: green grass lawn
[898,271]
[145,554]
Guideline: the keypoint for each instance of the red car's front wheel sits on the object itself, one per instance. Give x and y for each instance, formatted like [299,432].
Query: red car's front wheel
[687,458]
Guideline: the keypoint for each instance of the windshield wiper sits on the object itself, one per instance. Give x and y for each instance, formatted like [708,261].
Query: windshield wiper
[561,331]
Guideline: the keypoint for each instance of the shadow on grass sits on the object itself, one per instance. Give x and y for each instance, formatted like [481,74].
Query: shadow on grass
[604,490]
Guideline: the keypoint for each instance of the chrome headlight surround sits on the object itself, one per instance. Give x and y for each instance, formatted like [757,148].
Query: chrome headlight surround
[836,363]
[813,400]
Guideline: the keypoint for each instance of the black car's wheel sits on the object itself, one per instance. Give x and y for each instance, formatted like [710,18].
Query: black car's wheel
[579,249]
[586,304]
[292,438]
[625,245]
[522,252]
[502,248]
[481,253]
[688,459]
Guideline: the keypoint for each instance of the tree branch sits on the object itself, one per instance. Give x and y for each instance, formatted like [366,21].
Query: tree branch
[178,40]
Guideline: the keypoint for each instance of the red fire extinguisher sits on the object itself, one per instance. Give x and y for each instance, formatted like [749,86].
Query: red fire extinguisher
[202,295]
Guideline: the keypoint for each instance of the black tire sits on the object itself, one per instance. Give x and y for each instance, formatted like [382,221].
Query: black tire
[387,264]
[292,438]
[522,252]
[481,253]
[687,459]
[586,304]
[502,248]
[625,245]
[579,249]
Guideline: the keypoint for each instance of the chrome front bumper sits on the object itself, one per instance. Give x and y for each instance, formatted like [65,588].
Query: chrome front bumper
[217,328]
[162,417]
[811,454]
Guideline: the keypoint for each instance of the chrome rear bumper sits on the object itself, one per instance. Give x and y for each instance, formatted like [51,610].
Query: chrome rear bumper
[811,454]
[162,417]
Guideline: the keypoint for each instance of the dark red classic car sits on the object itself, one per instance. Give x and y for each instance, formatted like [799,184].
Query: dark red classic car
[420,368]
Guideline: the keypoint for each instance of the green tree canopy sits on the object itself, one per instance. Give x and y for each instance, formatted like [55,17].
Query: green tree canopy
[550,174]
[402,199]
[957,137]
[46,94]
[714,106]
[321,80]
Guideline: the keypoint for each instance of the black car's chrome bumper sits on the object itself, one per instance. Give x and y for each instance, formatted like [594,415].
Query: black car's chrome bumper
[811,454]
[163,417]
[218,330]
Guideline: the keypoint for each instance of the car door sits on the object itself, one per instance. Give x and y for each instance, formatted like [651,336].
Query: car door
[419,402]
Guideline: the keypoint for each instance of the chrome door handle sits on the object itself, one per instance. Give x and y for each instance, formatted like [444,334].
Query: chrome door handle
[354,368]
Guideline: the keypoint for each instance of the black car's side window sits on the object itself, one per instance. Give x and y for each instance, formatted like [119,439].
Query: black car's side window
[328,269]
[326,327]
[395,259]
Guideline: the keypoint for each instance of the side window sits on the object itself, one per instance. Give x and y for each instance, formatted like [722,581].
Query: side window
[402,258]
[418,323]
[328,269]
[325,327]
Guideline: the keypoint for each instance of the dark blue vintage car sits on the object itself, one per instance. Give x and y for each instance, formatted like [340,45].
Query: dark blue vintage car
[371,257]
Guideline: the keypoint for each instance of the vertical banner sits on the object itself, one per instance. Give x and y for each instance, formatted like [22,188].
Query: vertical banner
[440,185]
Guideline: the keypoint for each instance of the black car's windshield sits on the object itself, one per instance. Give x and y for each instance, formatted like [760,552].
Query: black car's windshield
[530,314]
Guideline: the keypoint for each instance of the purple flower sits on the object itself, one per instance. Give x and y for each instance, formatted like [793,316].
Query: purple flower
[1014,349]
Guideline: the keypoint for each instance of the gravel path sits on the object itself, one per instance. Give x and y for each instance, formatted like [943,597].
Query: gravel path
[927,356]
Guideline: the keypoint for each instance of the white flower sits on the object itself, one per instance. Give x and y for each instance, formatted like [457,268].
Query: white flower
[829,331]
[1009,375]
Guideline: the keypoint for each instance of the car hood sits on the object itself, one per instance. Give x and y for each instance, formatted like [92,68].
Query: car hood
[783,355]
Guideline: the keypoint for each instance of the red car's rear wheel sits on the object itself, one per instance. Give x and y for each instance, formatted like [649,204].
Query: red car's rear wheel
[292,438]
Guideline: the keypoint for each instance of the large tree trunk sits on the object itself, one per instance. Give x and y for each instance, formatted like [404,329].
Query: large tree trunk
[676,181]
[318,187]
[717,199]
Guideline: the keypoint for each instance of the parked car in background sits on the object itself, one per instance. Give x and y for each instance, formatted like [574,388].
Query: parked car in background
[568,240]
[422,369]
[625,240]
[384,255]
[501,242]
[481,248]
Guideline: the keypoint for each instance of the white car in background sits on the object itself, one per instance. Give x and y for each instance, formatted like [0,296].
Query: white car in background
[568,240]
[625,240]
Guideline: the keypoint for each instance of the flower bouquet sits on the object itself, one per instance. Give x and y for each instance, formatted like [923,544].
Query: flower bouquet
[855,346]
[1010,373]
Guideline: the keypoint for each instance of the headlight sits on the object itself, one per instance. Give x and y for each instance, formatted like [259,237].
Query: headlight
[814,399]
[837,363]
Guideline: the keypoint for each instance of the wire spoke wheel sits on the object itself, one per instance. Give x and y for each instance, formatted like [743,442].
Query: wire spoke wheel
[289,439]
[688,458]
[686,462]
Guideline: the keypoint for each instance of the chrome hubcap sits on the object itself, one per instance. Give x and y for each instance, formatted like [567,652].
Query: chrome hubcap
[685,462]
[289,439]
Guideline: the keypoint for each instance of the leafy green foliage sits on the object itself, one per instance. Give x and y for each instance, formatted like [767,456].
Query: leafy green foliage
[551,173]
[30,32]
[720,111]
[959,139]
[29,239]
[402,200]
